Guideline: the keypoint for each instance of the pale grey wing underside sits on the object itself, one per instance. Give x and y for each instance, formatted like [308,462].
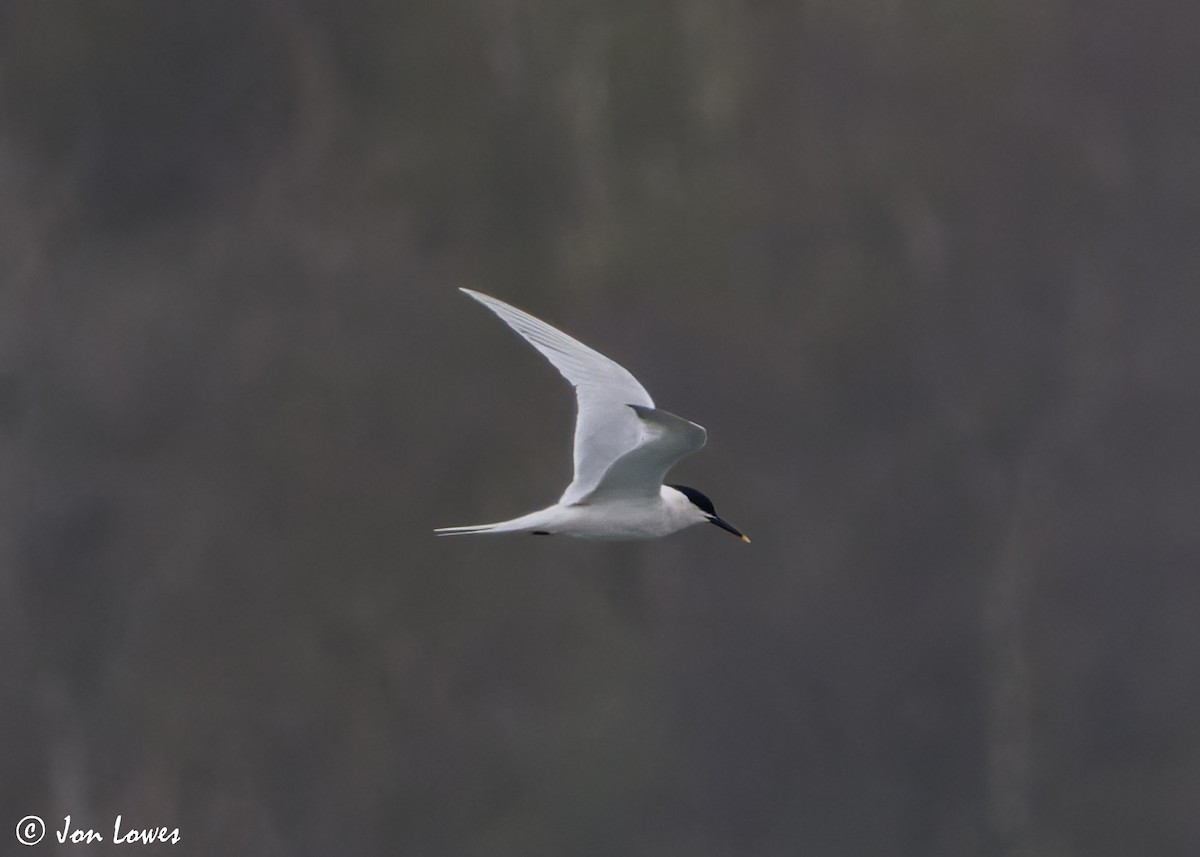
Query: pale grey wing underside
[666,438]
[605,427]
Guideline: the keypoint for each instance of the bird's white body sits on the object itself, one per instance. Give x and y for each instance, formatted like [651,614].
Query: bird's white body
[625,518]
[624,446]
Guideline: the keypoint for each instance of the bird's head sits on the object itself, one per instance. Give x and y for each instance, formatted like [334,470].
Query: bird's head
[707,512]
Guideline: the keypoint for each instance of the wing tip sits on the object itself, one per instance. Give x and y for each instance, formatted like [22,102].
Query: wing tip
[671,422]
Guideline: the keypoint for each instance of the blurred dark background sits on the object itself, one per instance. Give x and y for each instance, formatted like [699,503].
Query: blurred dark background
[927,271]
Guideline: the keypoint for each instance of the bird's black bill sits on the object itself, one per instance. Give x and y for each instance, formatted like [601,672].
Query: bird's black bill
[729,528]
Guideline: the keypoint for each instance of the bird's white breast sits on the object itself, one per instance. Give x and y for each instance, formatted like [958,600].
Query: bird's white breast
[628,517]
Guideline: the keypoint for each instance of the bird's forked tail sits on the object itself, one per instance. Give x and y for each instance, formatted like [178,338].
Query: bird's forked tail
[533,522]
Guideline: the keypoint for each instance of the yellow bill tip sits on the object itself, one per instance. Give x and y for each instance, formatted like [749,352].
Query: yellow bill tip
[746,539]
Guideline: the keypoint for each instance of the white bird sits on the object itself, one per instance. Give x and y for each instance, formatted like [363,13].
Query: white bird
[624,446]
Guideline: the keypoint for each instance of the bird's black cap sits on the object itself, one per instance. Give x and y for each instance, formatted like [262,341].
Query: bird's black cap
[699,500]
[705,505]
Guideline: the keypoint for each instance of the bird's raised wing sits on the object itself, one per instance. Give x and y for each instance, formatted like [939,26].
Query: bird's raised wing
[605,426]
[666,438]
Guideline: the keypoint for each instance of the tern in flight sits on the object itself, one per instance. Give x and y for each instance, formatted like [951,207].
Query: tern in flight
[624,446]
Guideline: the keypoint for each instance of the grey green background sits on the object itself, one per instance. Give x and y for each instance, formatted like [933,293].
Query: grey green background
[927,271]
